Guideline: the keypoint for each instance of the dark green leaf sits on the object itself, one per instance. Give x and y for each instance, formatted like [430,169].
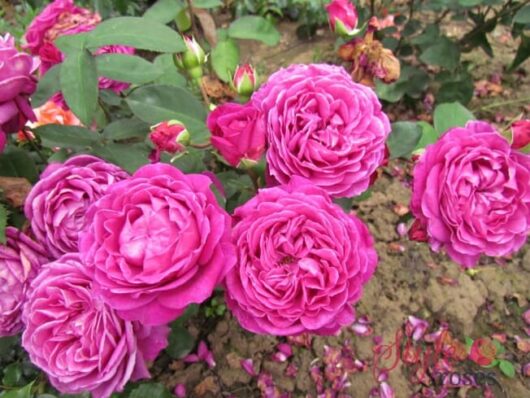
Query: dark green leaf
[16,162]
[79,84]
[412,82]
[157,103]
[183,20]
[403,139]
[254,28]
[75,137]
[181,342]
[24,392]
[164,11]
[450,115]
[127,68]
[123,129]
[507,368]
[128,156]
[136,32]
[103,8]
[71,43]
[12,374]
[150,390]
[7,344]
[225,58]
[3,224]
[345,203]
[428,135]
[444,53]
[47,86]
[191,310]
[109,97]
[170,73]
[523,52]
[428,37]
[207,3]
[523,15]
[190,161]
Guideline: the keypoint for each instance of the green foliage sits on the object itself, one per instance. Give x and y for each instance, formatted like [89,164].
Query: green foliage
[215,308]
[181,342]
[254,28]
[507,368]
[3,223]
[47,86]
[164,11]
[403,139]
[15,162]
[151,390]
[74,137]
[225,58]
[450,115]
[23,392]
[127,68]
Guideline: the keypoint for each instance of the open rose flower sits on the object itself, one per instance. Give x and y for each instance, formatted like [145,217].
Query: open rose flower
[322,126]
[238,132]
[302,262]
[57,204]
[20,259]
[81,343]
[483,351]
[16,85]
[157,242]
[342,16]
[471,194]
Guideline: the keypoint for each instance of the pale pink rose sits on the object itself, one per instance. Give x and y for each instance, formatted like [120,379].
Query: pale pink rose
[471,194]
[156,243]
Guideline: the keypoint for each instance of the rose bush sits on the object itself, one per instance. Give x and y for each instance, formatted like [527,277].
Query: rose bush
[471,194]
[302,262]
[57,204]
[78,340]
[156,243]
[322,126]
[20,260]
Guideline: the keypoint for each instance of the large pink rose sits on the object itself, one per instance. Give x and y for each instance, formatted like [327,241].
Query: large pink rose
[80,342]
[57,205]
[471,194]
[20,259]
[322,126]
[16,85]
[157,242]
[238,132]
[302,262]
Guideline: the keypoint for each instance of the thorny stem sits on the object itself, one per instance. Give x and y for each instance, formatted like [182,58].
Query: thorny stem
[34,146]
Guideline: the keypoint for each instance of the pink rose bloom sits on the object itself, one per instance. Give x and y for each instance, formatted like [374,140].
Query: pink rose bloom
[322,126]
[237,132]
[168,137]
[56,206]
[77,340]
[302,262]
[342,16]
[520,134]
[471,194]
[16,85]
[156,243]
[20,259]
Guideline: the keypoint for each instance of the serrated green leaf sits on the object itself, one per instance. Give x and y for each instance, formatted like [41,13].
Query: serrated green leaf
[225,58]
[450,115]
[164,11]
[507,368]
[444,52]
[127,68]
[71,43]
[47,86]
[403,139]
[79,85]
[191,161]
[254,28]
[181,342]
[136,32]
[123,129]
[75,137]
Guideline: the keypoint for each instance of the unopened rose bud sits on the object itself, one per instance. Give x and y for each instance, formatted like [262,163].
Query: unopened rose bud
[342,16]
[169,137]
[192,59]
[244,80]
[520,134]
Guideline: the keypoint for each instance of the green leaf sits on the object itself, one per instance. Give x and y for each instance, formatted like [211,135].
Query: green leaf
[428,135]
[181,342]
[523,15]
[345,203]
[499,347]
[459,91]
[3,224]
[123,129]
[12,374]
[254,28]
[469,342]
[16,162]
[47,86]
[127,68]
[507,368]
[444,53]
[170,73]
[79,84]
[190,161]
[136,32]
[75,137]
[403,139]
[71,43]
[128,156]
[412,82]
[207,3]
[450,115]
[157,103]
[523,52]
[24,392]
[225,58]
[150,390]
[164,11]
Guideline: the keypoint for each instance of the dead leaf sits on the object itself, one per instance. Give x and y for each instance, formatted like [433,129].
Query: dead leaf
[15,190]
[216,89]
[207,385]
[208,25]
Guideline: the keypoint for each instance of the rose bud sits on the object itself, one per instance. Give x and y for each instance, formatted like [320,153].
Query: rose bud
[342,16]
[170,136]
[193,58]
[520,134]
[245,80]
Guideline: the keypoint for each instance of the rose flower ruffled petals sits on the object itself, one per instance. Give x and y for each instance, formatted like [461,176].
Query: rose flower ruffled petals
[80,342]
[156,243]
[471,194]
[20,260]
[322,126]
[302,262]
[56,206]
